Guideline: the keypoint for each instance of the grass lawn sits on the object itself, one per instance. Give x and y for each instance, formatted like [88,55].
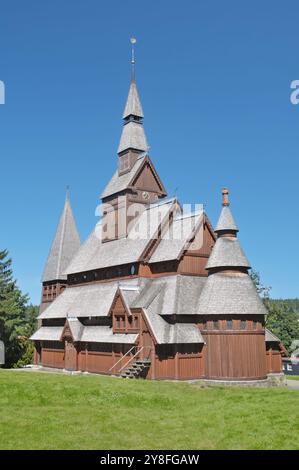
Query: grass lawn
[292,377]
[52,411]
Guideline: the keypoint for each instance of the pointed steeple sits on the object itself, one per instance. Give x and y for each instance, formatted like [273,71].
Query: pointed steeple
[227,252]
[133,136]
[226,221]
[133,105]
[64,246]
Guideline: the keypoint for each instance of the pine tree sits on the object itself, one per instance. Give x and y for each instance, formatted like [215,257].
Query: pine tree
[12,311]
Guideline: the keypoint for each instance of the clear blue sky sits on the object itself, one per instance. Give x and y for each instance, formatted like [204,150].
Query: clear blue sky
[214,79]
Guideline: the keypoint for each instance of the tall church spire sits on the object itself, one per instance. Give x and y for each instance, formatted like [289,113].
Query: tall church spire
[133,136]
[64,246]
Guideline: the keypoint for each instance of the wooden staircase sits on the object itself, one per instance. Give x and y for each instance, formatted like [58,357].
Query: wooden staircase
[137,369]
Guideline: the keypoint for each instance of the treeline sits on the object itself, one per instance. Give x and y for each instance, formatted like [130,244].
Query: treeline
[289,305]
[18,318]
[283,314]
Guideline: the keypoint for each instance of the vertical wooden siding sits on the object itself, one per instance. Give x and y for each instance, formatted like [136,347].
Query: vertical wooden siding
[53,358]
[235,356]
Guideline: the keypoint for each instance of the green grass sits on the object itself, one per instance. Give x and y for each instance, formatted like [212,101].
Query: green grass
[292,377]
[52,411]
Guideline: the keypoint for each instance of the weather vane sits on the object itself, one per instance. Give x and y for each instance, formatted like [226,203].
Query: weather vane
[133,42]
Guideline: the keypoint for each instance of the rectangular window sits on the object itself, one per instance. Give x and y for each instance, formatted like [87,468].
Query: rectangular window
[243,324]
[117,322]
[229,324]
[289,367]
[136,321]
[215,325]
[254,325]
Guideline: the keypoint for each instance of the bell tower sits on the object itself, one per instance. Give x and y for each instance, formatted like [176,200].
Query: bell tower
[135,183]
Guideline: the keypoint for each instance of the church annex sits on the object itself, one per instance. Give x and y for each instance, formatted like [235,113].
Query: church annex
[154,292]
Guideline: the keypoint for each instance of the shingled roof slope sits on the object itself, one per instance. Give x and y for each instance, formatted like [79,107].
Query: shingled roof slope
[227,252]
[64,246]
[95,254]
[230,294]
[226,221]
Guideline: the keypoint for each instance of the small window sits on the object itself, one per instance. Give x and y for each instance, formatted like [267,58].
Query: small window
[215,325]
[117,322]
[243,324]
[136,321]
[229,324]
[289,367]
[254,325]
[132,270]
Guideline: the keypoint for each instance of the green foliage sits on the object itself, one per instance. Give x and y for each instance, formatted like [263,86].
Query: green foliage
[17,320]
[283,315]
[52,411]
[283,322]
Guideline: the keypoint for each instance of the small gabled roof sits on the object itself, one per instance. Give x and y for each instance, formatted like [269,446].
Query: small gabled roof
[166,333]
[121,182]
[133,105]
[177,236]
[75,326]
[65,245]
[226,221]
[227,253]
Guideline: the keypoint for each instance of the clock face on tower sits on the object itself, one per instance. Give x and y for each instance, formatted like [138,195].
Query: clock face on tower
[145,195]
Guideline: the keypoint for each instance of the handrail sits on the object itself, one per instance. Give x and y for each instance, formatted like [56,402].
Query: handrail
[121,358]
[138,351]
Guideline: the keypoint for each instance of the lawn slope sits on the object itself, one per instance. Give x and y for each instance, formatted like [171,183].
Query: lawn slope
[52,411]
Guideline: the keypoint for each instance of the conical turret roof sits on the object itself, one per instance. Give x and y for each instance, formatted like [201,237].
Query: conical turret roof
[226,221]
[64,246]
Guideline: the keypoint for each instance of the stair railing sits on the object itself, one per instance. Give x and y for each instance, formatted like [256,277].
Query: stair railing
[128,352]
[131,358]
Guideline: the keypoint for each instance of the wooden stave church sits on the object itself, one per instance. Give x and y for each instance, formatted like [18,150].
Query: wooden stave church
[154,307]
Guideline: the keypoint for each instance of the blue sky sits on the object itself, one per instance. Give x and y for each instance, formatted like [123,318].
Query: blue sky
[214,79]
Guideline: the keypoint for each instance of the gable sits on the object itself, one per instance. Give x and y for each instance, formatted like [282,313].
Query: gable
[119,306]
[147,179]
[66,332]
[203,241]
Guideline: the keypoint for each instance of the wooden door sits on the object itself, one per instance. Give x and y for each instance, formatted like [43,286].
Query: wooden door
[70,356]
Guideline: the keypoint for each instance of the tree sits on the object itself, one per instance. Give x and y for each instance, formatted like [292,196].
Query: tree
[282,318]
[282,322]
[31,313]
[12,311]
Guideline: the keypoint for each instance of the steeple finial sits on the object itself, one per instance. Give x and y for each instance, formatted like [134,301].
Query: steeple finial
[67,193]
[225,200]
[133,42]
